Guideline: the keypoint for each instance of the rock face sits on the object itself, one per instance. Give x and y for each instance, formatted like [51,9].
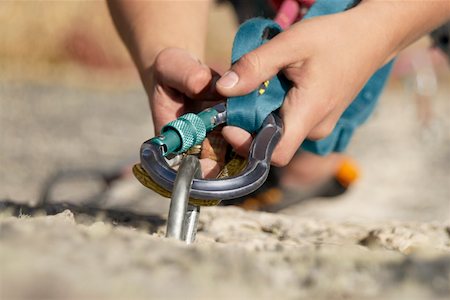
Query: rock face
[237,255]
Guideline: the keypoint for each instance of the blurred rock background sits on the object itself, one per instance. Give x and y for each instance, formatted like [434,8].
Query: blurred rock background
[58,40]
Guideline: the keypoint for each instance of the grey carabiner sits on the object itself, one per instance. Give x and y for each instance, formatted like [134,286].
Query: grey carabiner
[183,217]
[251,178]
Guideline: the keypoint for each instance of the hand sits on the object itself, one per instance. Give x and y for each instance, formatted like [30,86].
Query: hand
[176,84]
[328,60]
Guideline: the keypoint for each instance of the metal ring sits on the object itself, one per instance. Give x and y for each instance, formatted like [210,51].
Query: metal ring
[253,176]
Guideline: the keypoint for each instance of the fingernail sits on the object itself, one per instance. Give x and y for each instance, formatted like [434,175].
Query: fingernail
[228,80]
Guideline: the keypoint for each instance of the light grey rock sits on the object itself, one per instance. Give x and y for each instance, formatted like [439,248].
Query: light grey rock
[239,255]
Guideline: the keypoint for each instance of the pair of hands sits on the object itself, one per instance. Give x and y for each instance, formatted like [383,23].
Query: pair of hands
[328,60]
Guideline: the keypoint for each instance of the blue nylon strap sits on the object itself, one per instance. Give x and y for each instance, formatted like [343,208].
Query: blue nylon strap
[361,107]
[249,111]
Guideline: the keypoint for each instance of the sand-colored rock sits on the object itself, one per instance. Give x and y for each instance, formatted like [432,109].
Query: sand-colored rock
[238,255]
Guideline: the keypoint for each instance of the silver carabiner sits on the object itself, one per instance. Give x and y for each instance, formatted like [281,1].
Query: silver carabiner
[183,217]
[252,177]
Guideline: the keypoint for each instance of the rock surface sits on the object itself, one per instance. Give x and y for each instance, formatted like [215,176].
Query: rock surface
[238,255]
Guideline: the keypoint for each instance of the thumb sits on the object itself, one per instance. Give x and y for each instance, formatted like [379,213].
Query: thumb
[254,68]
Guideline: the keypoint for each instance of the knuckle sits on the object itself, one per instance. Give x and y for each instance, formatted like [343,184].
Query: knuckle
[250,61]
[155,96]
[159,61]
[327,105]
[162,57]
[281,158]
[281,161]
[196,80]
[321,131]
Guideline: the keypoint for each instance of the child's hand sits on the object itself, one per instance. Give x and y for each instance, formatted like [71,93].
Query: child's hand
[327,59]
[178,83]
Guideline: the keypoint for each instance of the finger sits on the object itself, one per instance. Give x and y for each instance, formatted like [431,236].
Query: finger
[302,110]
[166,105]
[326,126]
[238,138]
[178,69]
[300,113]
[304,106]
[210,168]
[258,66]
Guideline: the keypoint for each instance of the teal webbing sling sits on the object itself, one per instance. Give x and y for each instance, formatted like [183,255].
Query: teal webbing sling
[249,111]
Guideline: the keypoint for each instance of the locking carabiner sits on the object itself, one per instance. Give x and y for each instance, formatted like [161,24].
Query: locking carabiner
[189,130]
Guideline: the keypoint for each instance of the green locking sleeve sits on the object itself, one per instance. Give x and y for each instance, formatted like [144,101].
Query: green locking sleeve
[188,130]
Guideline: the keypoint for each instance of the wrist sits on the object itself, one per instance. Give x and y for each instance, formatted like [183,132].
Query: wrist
[403,22]
[378,28]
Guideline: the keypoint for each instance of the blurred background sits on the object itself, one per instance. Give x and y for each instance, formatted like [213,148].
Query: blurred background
[70,98]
